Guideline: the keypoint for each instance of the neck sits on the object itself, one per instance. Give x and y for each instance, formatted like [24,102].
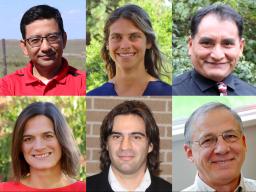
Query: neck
[131,181]
[45,74]
[45,179]
[131,83]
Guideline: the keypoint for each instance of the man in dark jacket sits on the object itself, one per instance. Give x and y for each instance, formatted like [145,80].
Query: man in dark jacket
[129,151]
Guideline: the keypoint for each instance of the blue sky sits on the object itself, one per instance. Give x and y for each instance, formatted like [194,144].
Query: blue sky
[72,11]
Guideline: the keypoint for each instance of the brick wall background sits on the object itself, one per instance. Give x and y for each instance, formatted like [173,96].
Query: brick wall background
[98,107]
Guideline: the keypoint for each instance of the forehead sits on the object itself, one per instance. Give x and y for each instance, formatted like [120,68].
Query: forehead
[42,26]
[123,26]
[213,24]
[38,124]
[215,121]
[128,123]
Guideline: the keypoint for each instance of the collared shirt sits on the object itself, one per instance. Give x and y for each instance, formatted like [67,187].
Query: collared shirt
[245,185]
[116,186]
[193,83]
[69,81]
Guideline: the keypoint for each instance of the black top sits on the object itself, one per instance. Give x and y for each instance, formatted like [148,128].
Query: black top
[100,183]
[192,83]
[154,88]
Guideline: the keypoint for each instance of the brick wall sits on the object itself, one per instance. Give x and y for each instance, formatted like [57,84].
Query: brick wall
[98,107]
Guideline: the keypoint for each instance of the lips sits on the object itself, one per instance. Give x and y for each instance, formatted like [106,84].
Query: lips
[42,156]
[126,54]
[222,161]
[215,63]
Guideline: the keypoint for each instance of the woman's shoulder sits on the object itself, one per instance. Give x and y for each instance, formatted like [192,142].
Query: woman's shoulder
[158,88]
[11,186]
[106,89]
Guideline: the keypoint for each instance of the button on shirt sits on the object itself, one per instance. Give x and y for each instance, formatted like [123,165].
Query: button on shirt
[192,83]
[244,185]
[69,81]
[116,186]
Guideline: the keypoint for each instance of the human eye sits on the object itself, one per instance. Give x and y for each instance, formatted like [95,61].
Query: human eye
[207,141]
[115,37]
[228,43]
[231,136]
[49,136]
[34,40]
[136,137]
[134,36]
[206,42]
[53,37]
[27,139]
[115,137]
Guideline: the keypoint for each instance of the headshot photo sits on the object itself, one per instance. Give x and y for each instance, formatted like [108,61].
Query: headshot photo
[128,144]
[129,54]
[35,63]
[214,141]
[213,48]
[44,146]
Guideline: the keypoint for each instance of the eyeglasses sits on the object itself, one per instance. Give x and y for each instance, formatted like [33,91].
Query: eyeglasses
[209,141]
[51,38]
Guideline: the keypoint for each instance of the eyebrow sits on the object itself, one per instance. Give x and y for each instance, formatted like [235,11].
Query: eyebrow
[132,133]
[44,133]
[205,39]
[229,40]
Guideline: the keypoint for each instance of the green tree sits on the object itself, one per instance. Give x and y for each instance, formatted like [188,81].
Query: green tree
[73,108]
[182,13]
[160,13]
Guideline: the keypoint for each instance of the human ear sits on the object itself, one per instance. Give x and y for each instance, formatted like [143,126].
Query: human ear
[24,47]
[190,43]
[241,45]
[188,152]
[150,147]
[64,38]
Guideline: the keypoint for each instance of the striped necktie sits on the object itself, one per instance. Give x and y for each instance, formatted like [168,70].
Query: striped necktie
[222,87]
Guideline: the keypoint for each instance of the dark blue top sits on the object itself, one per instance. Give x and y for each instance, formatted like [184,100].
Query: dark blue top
[193,83]
[154,88]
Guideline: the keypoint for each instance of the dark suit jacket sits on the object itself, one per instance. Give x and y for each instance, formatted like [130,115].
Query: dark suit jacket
[100,182]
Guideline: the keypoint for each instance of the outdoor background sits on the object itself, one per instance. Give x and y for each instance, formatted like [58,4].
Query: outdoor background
[182,13]
[73,15]
[97,11]
[97,109]
[73,109]
[184,171]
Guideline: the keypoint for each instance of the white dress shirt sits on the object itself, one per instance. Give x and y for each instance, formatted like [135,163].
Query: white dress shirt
[116,186]
[245,185]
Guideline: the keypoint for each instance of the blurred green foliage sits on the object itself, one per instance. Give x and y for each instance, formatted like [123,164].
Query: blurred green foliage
[73,109]
[97,11]
[182,13]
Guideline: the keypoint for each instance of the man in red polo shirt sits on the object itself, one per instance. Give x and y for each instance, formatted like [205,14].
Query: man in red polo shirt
[47,73]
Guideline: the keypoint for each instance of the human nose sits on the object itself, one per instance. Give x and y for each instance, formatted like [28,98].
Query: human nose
[221,146]
[217,53]
[45,45]
[125,43]
[39,144]
[125,143]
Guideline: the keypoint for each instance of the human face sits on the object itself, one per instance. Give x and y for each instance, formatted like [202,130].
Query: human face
[40,146]
[220,164]
[128,145]
[47,55]
[127,45]
[216,47]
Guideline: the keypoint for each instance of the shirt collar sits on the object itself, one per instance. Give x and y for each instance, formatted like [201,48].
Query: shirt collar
[116,186]
[60,77]
[202,186]
[203,83]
